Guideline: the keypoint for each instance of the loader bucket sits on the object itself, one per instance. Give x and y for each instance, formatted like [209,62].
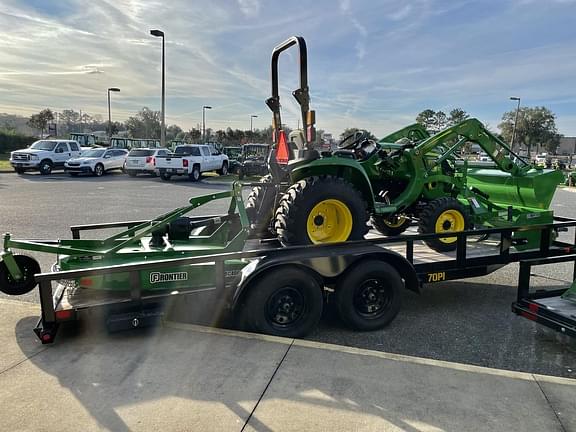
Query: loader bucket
[570,293]
[535,189]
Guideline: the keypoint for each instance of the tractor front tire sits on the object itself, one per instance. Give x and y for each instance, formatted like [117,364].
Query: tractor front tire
[390,226]
[443,215]
[260,207]
[321,209]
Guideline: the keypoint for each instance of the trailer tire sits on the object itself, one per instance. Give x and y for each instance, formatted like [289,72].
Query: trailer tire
[390,228]
[368,297]
[288,306]
[260,207]
[443,215]
[321,209]
[28,266]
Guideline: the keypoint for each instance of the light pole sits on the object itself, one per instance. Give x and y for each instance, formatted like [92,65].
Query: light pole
[515,98]
[252,117]
[204,108]
[111,89]
[160,33]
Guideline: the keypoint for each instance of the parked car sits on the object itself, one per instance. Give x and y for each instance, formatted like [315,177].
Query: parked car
[44,155]
[192,160]
[234,158]
[143,161]
[96,162]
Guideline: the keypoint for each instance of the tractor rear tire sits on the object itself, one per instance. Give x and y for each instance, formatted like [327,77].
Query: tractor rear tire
[260,207]
[28,266]
[389,227]
[321,209]
[443,215]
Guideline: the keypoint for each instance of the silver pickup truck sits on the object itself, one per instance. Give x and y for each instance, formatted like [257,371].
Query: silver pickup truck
[192,160]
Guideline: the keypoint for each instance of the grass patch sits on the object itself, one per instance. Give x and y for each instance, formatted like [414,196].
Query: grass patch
[4,164]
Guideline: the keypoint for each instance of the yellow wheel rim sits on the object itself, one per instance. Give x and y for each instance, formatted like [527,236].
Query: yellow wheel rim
[394,221]
[329,221]
[449,221]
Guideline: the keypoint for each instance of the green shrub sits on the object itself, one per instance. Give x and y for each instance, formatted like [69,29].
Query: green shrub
[10,141]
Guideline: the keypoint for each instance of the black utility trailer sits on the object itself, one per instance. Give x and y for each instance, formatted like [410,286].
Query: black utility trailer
[282,290]
[546,307]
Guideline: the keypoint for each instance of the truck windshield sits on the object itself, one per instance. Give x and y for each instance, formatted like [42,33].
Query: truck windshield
[93,153]
[141,152]
[187,151]
[43,145]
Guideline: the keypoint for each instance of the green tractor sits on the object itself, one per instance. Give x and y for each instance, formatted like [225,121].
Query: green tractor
[310,198]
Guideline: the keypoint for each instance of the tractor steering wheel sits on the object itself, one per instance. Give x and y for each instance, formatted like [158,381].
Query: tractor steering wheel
[354,140]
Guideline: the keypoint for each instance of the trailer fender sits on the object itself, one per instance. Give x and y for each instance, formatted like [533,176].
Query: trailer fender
[326,268]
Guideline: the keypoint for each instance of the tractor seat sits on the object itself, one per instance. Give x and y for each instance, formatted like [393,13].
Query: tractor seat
[349,154]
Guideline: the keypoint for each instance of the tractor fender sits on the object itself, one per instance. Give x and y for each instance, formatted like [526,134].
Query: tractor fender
[347,169]
[325,268]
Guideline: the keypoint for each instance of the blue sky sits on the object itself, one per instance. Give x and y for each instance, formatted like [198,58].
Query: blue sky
[372,64]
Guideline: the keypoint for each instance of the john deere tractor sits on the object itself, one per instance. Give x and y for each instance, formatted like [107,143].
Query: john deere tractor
[408,176]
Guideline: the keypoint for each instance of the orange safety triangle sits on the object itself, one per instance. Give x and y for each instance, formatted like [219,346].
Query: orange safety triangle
[282,154]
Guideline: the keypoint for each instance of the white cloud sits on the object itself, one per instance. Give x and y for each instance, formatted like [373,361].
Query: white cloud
[250,8]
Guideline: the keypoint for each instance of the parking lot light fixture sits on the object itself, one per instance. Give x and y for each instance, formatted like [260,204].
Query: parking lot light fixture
[111,89]
[204,108]
[515,98]
[160,33]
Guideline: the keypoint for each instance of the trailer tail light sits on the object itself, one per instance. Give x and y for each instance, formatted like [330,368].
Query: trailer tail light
[64,314]
[86,282]
[185,163]
[282,153]
[46,338]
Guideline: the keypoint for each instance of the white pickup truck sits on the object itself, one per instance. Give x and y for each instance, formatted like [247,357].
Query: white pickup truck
[44,155]
[192,160]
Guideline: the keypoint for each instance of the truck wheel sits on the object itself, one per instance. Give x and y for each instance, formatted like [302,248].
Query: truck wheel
[165,176]
[99,170]
[443,215]
[321,210]
[288,306]
[224,170]
[260,207]
[369,295]
[28,266]
[392,225]
[195,174]
[45,167]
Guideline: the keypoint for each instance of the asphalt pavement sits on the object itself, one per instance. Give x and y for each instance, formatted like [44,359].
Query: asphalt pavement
[460,321]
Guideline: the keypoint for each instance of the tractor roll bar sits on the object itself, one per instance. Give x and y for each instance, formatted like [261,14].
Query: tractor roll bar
[302,94]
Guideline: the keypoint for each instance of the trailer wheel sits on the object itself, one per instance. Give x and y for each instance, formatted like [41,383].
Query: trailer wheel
[289,306]
[369,295]
[443,215]
[260,206]
[319,210]
[390,226]
[28,266]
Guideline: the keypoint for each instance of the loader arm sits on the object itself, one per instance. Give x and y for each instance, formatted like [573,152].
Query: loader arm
[414,132]
[473,130]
